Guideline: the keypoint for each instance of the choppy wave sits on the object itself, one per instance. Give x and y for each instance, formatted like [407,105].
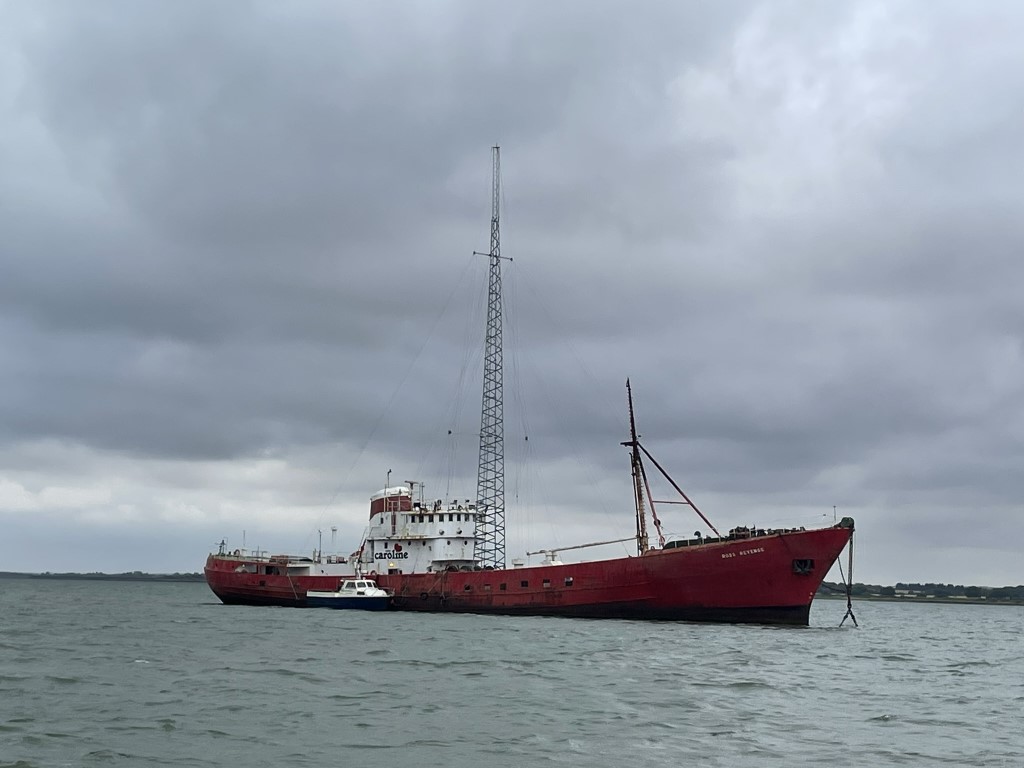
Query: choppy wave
[102,674]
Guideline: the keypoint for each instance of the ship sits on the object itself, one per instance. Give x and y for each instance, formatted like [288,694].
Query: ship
[448,556]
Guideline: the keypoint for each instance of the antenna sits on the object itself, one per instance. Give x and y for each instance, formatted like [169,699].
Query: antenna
[490,483]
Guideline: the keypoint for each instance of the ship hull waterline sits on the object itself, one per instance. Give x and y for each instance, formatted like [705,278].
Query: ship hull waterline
[769,579]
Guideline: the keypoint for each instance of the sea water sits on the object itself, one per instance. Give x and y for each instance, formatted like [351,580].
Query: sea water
[158,674]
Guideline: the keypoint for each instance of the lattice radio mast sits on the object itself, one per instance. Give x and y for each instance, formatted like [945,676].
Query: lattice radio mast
[490,483]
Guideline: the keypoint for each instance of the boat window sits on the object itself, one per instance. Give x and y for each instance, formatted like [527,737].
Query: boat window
[568,581]
[547,583]
[487,587]
[430,518]
[524,583]
[451,518]
[349,585]
[467,587]
[503,587]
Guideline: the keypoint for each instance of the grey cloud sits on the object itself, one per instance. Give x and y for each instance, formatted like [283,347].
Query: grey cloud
[238,233]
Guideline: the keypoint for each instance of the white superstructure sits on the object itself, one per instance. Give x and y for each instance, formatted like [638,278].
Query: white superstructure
[406,536]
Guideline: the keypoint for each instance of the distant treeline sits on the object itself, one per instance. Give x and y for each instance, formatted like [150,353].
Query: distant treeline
[931,591]
[902,590]
[126,576]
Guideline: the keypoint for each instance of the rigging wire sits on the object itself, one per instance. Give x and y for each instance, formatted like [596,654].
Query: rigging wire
[390,401]
[451,428]
[547,388]
[519,451]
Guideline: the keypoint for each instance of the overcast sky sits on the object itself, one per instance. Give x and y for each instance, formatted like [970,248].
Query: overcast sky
[238,285]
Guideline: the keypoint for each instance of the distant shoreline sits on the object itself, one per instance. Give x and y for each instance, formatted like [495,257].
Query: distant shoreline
[913,599]
[927,593]
[132,576]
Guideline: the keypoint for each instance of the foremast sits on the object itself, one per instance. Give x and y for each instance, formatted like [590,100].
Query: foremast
[490,485]
[639,479]
[642,487]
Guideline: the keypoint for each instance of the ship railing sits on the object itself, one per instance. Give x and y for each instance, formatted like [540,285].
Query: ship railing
[736,534]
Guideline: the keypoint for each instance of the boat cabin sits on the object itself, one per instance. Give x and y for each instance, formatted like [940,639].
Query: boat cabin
[358,586]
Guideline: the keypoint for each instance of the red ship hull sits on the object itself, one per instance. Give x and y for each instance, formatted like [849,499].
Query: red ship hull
[769,579]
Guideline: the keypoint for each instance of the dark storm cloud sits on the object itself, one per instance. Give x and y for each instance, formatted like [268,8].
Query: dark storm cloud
[268,176]
[242,233]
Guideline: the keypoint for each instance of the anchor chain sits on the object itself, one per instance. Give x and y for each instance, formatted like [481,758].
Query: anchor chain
[849,586]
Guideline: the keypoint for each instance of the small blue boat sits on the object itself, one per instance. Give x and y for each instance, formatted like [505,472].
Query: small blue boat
[354,594]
